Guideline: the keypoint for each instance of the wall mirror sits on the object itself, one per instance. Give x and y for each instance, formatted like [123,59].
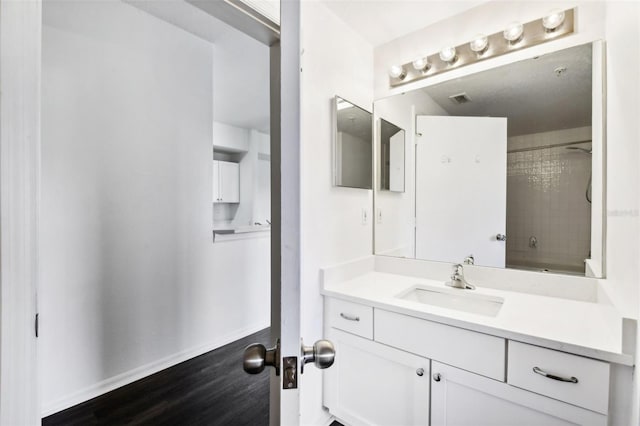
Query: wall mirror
[352,145]
[391,164]
[504,167]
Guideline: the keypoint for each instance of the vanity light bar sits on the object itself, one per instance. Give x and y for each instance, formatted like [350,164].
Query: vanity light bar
[533,33]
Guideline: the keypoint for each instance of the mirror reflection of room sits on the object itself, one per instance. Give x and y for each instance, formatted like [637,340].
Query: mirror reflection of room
[352,145]
[503,168]
[392,140]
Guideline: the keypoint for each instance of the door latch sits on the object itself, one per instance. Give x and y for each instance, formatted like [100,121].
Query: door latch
[290,377]
[257,357]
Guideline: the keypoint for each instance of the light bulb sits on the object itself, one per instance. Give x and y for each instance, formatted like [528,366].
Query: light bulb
[479,44]
[553,20]
[397,71]
[421,64]
[513,32]
[448,54]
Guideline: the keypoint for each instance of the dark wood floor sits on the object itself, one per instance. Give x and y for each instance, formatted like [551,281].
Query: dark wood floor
[211,389]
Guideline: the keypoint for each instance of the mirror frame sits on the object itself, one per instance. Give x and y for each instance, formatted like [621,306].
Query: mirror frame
[595,266]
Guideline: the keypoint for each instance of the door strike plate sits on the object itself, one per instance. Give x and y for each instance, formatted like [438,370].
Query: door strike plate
[290,369]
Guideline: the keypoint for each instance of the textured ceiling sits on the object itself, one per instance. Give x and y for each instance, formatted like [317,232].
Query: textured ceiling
[528,93]
[355,121]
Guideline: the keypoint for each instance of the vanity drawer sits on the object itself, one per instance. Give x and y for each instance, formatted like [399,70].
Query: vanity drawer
[476,352]
[351,317]
[591,390]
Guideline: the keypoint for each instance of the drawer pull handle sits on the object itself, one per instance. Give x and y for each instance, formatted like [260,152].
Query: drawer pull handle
[349,317]
[554,377]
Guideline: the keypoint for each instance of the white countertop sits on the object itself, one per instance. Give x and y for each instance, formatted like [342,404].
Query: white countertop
[584,328]
[230,232]
[240,229]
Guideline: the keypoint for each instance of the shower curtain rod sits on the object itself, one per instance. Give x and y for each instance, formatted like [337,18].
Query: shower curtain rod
[547,146]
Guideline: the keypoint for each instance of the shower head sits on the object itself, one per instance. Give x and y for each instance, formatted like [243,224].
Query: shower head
[577,148]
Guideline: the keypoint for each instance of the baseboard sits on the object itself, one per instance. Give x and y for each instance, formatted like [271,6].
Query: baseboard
[328,421]
[325,418]
[138,373]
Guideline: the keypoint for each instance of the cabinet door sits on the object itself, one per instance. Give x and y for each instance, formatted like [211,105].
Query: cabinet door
[462,398]
[216,181]
[229,182]
[373,384]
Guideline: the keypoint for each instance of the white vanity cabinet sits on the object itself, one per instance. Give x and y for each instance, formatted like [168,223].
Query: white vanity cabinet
[374,384]
[371,383]
[459,397]
[226,182]
[396,369]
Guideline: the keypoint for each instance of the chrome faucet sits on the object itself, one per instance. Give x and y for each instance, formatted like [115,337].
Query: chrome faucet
[457,279]
[469,260]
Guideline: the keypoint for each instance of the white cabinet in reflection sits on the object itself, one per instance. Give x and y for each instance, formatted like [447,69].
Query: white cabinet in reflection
[226,182]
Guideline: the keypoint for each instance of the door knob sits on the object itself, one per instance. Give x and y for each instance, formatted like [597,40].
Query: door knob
[501,237]
[257,357]
[322,354]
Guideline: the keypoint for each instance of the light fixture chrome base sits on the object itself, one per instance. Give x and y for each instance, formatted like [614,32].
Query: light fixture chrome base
[534,33]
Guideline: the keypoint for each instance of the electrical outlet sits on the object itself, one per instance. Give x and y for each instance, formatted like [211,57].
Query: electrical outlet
[365,216]
[379,216]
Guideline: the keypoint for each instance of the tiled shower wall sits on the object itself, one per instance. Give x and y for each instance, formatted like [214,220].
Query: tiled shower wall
[546,200]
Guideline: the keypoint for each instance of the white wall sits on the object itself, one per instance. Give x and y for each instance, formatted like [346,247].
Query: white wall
[623,136]
[336,61]
[130,279]
[261,198]
[618,24]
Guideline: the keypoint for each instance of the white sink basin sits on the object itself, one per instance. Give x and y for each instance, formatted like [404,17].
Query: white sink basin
[459,300]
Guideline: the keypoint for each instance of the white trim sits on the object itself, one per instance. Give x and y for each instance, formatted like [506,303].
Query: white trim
[290,202]
[138,373]
[328,420]
[596,265]
[20,58]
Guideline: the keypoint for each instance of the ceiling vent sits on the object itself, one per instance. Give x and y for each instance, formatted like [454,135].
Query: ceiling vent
[460,98]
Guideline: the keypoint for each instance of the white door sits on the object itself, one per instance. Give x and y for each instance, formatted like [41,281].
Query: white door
[20,26]
[461,189]
[374,384]
[396,162]
[285,210]
[465,399]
